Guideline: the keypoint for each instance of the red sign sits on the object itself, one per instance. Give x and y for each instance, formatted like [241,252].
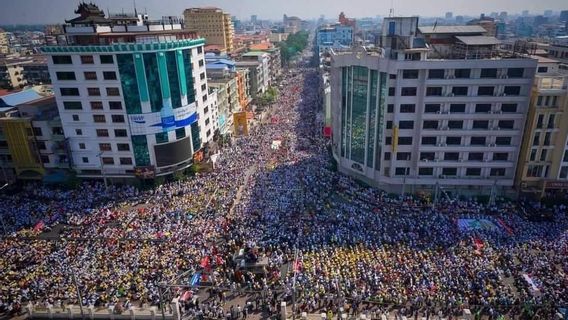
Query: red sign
[274,120]
[556,185]
[147,172]
[327,131]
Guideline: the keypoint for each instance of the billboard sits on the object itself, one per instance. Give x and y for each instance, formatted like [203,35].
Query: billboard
[166,120]
[168,154]
[147,172]
[240,121]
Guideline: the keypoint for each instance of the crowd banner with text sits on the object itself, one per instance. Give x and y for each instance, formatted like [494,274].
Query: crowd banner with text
[241,125]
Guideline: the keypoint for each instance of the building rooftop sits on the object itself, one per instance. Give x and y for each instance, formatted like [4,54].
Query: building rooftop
[254,54]
[17,98]
[478,40]
[451,29]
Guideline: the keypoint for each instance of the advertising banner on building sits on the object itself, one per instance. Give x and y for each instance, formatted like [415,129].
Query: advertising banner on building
[147,172]
[166,120]
[240,121]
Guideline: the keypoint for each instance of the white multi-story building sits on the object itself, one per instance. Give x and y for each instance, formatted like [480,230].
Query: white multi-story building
[433,106]
[132,94]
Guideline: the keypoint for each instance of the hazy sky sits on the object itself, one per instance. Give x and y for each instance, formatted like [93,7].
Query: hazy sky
[55,11]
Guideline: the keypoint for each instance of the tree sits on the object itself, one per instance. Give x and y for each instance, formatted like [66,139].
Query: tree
[294,44]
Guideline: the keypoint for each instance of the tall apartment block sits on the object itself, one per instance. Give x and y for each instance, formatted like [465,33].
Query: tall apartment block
[433,106]
[212,24]
[132,94]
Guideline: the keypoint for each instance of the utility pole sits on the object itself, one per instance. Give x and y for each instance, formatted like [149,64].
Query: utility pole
[103,168]
[294,265]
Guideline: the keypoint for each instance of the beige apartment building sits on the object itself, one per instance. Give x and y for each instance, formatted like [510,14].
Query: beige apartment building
[212,24]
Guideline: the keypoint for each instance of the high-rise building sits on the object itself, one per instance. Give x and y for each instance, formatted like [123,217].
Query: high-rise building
[449,15]
[548,13]
[253,19]
[131,93]
[543,162]
[4,42]
[437,105]
[525,13]
[212,24]
[334,36]
[564,16]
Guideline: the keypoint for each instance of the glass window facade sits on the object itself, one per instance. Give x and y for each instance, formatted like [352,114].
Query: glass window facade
[153,80]
[359,113]
[372,118]
[195,137]
[173,77]
[128,82]
[140,149]
[188,75]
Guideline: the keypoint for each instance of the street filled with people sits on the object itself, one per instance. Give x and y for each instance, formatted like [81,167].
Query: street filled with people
[274,221]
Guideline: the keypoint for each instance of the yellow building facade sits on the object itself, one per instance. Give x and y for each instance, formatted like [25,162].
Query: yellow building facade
[213,24]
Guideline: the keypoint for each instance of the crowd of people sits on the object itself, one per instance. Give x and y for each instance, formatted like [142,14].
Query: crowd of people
[325,241]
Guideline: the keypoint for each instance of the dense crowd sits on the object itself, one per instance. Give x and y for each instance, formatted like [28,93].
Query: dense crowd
[344,246]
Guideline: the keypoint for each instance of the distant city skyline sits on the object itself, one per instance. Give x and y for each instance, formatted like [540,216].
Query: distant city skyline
[56,11]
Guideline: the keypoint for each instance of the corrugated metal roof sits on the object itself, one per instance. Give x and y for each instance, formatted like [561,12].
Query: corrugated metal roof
[451,29]
[21,97]
[478,40]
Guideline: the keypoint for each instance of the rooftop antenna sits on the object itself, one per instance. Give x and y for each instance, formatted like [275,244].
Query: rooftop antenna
[391,10]
[135,11]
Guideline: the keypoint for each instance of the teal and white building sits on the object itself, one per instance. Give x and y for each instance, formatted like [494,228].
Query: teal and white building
[132,94]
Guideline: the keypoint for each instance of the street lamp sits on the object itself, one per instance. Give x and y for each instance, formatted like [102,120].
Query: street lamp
[103,168]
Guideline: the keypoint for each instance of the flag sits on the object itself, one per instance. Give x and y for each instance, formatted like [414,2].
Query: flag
[39,226]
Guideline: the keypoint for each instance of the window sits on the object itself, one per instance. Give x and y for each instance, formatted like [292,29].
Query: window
[539,101]
[542,69]
[429,141]
[486,91]
[457,108]
[408,91]
[500,156]
[106,59]
[533,155]
[203,87]
[536,139]
[401,171]
[543,154]
[404,156]
[436,74]
[87,60]
[459,91]
[205,110]
[407,108]
[61,60]
[503,141]
[475,156]
[387,155]
[497,172]
[79,132]
[96,105]
[462,73]
[85,159]
[117,118]
[125,161]
[477,141]
[204,98]
[208,133]
[202,76]
[565,158]
[509,107]
[547,139]
[453,141]
[69,91]
[407,124]
[120,133]
[90,75]
[506,124]
[473,172]
[540,121]
[82,146]
[161,137]
[37,131]
[201,63]
[94,92]
[455,124]
[392,76]
[99,118]
[425,171]
[180,133]
[123,147]
[388,141]
[434,91]
[515,72]
[41,145]
[430,124]
[449,171]
[108,160]
[105,147]
[427,156]
[57,131]
[482,108]
[65,75]
[113,92]
[451,156]
[390,108]
[72,105]
[115,105]
[563,172]
[207,121]
[410,74]
[550,122]
[512,90]
[480,124]
[404,141]
[109,75]
[391,92]
[488,73]
[389,124]
[102,133]
[199,50]
[431,108]
[75,117]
